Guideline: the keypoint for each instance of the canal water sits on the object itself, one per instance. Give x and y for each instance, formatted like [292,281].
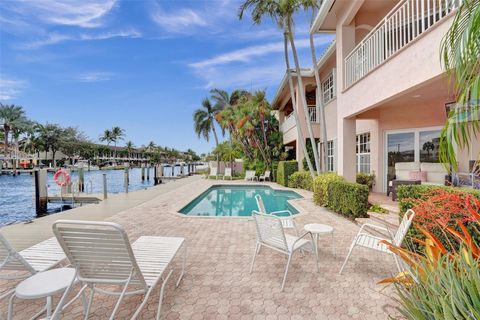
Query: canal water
[17,193]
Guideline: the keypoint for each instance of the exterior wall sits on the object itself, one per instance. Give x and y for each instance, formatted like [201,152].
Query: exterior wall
[416,64]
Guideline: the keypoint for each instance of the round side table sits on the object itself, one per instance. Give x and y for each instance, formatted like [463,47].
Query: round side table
[43,285]
[318,229]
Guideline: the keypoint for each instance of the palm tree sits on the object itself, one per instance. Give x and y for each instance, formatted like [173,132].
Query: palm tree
[130,147]
[11,116]
[319,102]
[107,137]
[50,137]
[460,52]
[204,120]
[282,11]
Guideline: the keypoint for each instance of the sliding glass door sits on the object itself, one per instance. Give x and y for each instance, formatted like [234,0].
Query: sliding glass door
[420,145]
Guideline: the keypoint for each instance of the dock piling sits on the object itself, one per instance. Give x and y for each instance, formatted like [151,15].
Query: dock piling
[81,179]
[41,195]
[148,172]
[126,179]
[104,186]
[143,172]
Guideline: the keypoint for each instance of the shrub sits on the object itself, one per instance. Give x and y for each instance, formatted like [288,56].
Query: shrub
[349,199]
[284,170]
[320,187]
[377,208]
[257,165]
[301,180]
[438,207]
[366,179]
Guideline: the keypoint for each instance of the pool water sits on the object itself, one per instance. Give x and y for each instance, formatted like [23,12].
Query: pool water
[239,201]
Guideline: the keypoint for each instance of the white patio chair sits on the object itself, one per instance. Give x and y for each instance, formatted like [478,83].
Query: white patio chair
[213,172]
[102,255]
[369,241]
[265,176]
[20,265]
[228,173]
[287,221]
[250,175]
[270,234]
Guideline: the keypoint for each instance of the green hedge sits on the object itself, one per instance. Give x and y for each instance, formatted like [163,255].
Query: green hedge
[366,179]
[349,199]
[284,170]
[406,192]
[301,180]
[320,187]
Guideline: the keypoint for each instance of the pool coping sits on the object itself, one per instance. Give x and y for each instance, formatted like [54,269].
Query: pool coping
[212,183]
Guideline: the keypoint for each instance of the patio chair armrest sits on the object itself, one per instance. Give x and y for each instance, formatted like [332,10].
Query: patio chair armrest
[373,226]
[282,211]
[300,237]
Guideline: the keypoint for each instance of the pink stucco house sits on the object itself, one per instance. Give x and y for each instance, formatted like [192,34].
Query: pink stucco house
[384,91]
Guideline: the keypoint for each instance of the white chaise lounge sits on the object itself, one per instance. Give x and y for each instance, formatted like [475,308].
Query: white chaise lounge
[265,176]
[41,257]
[228,173]
[270,234]
[102,255]
[250,175]
[366,240]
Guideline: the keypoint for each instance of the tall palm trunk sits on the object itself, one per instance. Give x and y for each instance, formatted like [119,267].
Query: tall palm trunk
[294,105]
[301,90]
[319,103]
[216,143]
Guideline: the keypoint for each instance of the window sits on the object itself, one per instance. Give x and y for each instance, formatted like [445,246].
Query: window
[330,156]
[328,88]
[363,152]
[429,145]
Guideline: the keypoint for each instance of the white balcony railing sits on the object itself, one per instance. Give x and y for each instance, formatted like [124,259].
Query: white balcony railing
[288,123]
[404,23]
[312,112]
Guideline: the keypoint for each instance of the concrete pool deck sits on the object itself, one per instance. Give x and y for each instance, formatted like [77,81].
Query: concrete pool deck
[217,283]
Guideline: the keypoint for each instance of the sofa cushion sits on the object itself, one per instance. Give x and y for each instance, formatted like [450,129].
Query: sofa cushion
[402,169]
[418,175]
[436,172]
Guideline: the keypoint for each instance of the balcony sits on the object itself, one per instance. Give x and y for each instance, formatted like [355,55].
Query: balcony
[403,24]
[289,122]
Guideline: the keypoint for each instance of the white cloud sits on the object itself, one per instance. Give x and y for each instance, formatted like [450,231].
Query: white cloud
[178,21]
[10,88]
[94,76]
[254,66]
[81,13]
[54,38]
[246,54]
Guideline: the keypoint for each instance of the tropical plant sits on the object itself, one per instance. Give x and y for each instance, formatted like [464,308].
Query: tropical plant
[460,53]
[50,137]
[12,118]
[204,120]
[444,281]
[282,12]
[117,134]
[107,137]
[130,147]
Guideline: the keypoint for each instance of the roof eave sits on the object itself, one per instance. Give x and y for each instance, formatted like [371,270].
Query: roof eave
[321,15]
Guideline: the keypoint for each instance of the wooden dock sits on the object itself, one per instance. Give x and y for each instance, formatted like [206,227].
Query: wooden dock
[74,199]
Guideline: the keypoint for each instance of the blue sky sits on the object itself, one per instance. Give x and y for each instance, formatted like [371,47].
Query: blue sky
[142,65]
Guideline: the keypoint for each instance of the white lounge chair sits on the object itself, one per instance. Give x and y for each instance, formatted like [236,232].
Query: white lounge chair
[228,173]
[265,176]
[287,218]
[41,257]
[213,172]
[102,255]
[250,175]
[369,241]
[270,234]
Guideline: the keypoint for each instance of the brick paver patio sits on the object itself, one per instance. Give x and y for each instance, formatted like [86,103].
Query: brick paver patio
[217,283]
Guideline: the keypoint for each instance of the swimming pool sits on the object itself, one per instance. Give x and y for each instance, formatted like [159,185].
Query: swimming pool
[238,201]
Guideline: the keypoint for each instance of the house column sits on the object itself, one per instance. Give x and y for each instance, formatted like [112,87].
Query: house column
[299,155]
[346,163]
